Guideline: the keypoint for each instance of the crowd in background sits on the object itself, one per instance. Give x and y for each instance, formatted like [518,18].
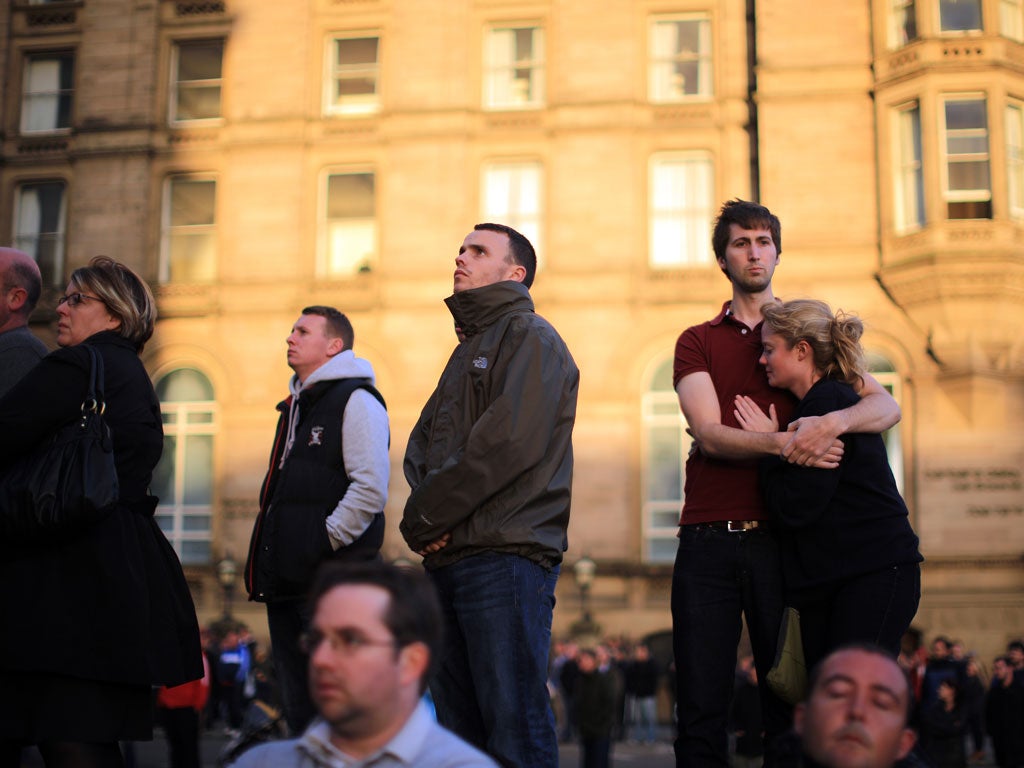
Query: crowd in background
[967,709]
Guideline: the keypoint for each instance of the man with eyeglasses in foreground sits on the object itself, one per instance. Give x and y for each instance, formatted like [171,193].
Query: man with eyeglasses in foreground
[373,642]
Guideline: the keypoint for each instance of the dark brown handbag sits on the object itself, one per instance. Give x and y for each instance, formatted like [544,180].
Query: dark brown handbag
[68,483]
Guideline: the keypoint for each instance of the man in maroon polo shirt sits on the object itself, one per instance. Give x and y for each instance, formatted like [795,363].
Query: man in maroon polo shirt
[728,562]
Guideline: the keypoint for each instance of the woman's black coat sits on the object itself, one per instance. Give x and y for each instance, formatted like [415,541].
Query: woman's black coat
[110,604]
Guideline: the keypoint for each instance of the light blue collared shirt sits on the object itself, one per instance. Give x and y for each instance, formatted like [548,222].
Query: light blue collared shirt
[421,743]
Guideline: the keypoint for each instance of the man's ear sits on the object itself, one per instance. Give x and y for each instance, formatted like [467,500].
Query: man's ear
[413,661]
[798,718]
[516,272]
[334,346]
[16,298]
[907,740]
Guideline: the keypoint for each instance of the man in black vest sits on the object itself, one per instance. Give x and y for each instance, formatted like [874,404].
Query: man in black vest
[324,493]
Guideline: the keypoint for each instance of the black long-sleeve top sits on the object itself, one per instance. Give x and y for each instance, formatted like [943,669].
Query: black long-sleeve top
[835,524]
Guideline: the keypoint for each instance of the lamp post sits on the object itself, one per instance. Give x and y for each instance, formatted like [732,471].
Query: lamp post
[584,571]
[227,571]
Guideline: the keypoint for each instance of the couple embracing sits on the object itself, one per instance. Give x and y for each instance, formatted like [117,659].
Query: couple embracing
[808,517]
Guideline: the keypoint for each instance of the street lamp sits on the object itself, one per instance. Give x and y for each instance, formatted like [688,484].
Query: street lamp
[227,571]
[584,571]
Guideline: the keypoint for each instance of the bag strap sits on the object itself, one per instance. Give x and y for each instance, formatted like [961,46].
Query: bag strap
[94,402]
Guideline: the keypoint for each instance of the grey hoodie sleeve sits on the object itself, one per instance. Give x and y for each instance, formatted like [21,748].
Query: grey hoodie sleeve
[365,437]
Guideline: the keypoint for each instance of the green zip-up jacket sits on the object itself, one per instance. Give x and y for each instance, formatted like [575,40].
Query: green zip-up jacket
[490,460]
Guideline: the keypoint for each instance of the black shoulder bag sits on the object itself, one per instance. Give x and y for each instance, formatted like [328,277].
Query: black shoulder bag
[69,482]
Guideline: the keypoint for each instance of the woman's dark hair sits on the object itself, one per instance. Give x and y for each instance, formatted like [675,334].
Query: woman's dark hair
[125,294]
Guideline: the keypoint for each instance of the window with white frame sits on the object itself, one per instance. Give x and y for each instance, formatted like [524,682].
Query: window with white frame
[903,27]
[679,66]
[196,86]
[514,67]
[666,446]
[39,224]
[512,195]
[681,210]
[886,375]
[48,88]
[968,190]
[189,242]
[960,15]
[909,176]
[350,223]
[353,71]
[1011,19]
[1015,157]
[183,478]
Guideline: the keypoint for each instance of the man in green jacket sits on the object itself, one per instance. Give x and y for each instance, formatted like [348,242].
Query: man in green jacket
[490,467]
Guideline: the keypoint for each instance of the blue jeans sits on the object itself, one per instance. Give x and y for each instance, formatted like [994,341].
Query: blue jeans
[874,608]
[718,577]
[491,689]
[645,719]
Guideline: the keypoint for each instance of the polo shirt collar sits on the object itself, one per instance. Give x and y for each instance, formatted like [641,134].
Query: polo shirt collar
[726,314]
[403,748]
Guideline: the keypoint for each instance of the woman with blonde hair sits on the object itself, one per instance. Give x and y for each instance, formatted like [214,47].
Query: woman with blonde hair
[94,619]
[850,557]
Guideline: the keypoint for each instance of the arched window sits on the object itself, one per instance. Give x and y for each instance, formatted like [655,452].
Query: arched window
[183,480]
[885,372]
[665,446]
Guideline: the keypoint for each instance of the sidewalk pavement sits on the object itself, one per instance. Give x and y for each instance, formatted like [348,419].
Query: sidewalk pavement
[153,754]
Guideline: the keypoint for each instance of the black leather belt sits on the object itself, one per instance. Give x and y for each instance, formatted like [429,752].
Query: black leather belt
[732,526]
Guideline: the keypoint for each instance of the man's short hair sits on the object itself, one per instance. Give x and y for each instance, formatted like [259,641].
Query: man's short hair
[746,215]
[520,250]
[338,326]
[870,648]
[20,275]
[413,614]
[1015,645]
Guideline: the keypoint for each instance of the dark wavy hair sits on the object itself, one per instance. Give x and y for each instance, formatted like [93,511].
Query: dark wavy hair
[746,215]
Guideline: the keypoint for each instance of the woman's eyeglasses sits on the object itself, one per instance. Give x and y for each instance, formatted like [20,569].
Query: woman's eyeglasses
[74,299]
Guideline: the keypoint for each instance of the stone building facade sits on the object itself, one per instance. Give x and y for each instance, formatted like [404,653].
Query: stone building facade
[250,158]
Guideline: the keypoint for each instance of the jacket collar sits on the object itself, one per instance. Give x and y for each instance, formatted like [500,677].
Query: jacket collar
[476,308]
[110,337]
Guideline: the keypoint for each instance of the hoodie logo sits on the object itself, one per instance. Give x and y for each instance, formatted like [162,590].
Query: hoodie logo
[480,362]
[316,436]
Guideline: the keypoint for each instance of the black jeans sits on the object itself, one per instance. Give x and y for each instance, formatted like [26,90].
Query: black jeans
[287,620]
[718,577]
[874,608]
